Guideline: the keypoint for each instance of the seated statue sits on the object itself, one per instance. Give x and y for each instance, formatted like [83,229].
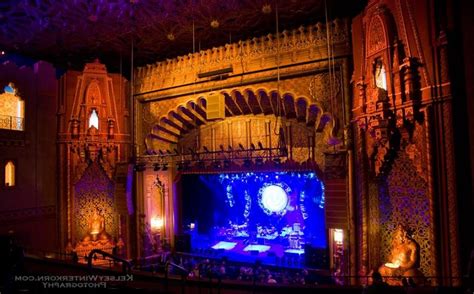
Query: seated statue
[404,261]
[96,231]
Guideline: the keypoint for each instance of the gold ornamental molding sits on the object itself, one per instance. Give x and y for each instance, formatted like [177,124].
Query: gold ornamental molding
[299,46]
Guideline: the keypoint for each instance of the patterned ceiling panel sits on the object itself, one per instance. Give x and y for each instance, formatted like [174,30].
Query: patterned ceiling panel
[72,32]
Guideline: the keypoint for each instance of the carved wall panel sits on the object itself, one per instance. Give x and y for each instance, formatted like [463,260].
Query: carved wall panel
[404,199]
[94,193]
[373,226]
[376,36]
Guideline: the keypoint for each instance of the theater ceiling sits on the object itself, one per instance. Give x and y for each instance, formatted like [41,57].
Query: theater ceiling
[69,33]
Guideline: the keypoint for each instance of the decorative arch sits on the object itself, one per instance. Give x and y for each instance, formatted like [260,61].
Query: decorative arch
[377,35]
[191,115]
[93,95]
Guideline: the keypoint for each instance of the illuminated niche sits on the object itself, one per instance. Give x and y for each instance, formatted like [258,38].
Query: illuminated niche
[94,119]
[12,109]
[380,75]
[10,174]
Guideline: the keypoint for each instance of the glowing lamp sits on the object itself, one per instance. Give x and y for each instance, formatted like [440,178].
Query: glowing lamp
[392,265]
[274,198]
[338,236]
[156,223]
[192,226]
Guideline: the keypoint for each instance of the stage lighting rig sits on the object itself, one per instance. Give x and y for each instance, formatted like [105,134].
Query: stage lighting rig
[226,163]
[277,161]
[139,167]
[217,164]
[247,162]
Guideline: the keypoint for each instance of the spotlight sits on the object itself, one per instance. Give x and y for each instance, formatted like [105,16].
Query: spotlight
[156,167]
[247,162]
[186,164]
[201,164]
[164,167]
[175,151]
[241,146]
[139,167]
[260,145]
[222,147]
[161,152]
[205,149]
[217,164]
[230,148]
[226,163]
[252,146]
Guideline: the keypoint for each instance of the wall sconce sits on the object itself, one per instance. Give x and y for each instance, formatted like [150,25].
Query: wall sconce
[156,223]
[338,236]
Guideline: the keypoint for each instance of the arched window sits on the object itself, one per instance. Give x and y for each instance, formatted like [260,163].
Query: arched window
[380,76]
[10,174]
[94,119]
[12,109]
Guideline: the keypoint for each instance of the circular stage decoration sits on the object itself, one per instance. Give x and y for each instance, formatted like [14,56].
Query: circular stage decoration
[273,199]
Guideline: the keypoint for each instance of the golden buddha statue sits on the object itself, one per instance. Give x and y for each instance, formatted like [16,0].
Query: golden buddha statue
[96,230]
[403,260]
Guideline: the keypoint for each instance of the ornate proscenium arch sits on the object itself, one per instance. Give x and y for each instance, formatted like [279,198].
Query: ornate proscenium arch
[185,118]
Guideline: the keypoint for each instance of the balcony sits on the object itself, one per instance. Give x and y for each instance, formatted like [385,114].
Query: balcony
[12,123]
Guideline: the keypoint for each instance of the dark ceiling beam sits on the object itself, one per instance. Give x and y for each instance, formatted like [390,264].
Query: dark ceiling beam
[166,130]
[254,103]
[167,140]
[170,120]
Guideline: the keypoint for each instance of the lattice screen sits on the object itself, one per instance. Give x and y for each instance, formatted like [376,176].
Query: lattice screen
[94,191]
[404,199]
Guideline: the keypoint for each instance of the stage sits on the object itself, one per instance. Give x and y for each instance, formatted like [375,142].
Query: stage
[272,217]
[241,251]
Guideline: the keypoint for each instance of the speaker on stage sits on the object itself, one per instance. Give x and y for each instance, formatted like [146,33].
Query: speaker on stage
[316,257]
[182,243]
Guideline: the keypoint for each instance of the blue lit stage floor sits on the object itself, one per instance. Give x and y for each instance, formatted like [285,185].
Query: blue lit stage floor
[242,251]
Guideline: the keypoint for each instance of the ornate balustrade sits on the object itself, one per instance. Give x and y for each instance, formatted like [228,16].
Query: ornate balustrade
[12,123]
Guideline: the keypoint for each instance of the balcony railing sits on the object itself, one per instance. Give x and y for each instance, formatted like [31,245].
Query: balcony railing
[12,123]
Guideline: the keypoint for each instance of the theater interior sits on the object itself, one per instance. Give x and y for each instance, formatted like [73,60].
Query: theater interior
[239,146]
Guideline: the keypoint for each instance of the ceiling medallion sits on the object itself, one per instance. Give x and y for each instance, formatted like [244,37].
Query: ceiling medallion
[267,8]
[171,37]
[214,24]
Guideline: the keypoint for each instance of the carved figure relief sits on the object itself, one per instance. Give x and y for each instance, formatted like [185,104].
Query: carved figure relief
[404,259]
